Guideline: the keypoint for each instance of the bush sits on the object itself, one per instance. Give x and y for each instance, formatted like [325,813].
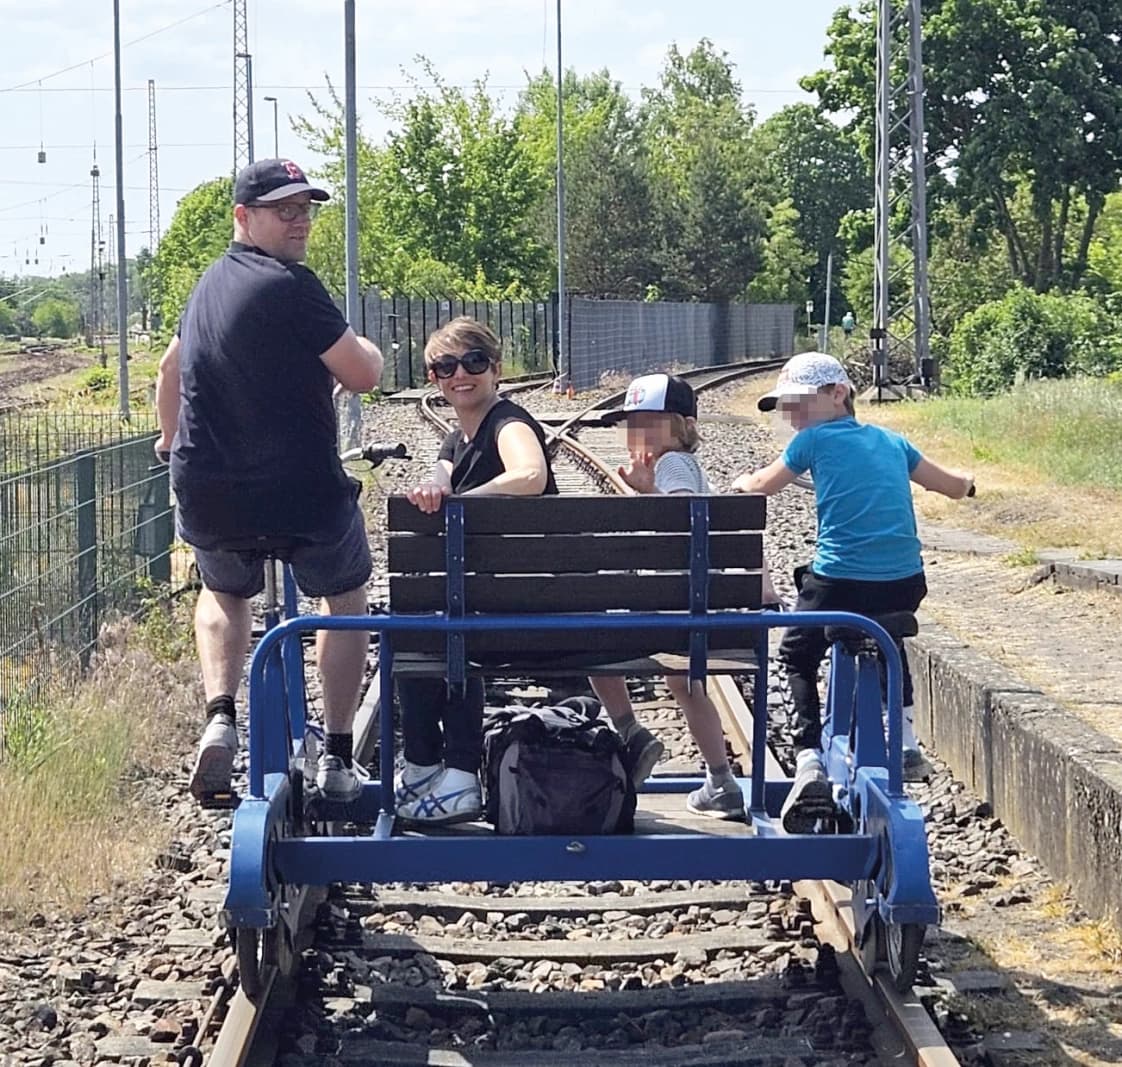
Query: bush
[1028,335]
[97,380]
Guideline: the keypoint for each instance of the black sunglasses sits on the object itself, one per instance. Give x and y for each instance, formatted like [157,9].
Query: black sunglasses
[474,361]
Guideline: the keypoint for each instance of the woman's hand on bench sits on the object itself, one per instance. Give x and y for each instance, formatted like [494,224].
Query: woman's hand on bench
[428,497]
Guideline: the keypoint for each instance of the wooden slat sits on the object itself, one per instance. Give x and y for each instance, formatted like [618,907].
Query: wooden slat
[536,594]
[572,553]
[583,514]
[580,647]
[722,662]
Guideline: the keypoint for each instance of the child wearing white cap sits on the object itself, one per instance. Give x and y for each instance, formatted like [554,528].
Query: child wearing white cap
[868,553]
[661,415]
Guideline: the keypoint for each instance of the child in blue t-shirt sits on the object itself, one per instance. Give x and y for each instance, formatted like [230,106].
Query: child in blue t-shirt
[868,554]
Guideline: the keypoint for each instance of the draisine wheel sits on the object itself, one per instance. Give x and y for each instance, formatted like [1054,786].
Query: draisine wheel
[903,942]
[250,961]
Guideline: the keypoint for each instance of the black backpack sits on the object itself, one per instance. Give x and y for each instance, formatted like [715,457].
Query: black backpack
[556,770]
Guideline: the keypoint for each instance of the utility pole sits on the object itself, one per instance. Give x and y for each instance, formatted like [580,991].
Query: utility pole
[153,172]
[900,174]
[243,90]
[122,260]
[276,129]
[564,355]
[97,263]
[110,269]
[92,325]
[349,435]
[824,340]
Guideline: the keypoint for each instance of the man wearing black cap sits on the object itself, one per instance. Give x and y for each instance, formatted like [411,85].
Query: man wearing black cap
[244,397]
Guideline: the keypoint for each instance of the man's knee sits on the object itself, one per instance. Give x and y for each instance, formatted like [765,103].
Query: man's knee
[352,602]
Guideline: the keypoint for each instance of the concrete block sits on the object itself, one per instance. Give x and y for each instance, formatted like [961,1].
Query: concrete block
[1095,833]
[1033,736]
[958,688]
[922,649]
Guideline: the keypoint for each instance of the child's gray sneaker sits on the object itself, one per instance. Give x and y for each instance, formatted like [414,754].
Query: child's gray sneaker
[810,800]
[214,764]
[724,802]
[339,783]
[644,750]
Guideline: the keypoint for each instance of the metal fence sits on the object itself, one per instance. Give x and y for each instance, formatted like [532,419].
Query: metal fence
[32,438]
[400,326]
[628,337]
[605,337]
[81,536]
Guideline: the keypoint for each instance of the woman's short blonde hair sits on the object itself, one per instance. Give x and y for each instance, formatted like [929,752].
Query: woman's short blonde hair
[462,334]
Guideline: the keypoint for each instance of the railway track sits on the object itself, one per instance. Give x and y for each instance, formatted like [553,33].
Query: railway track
[657,974]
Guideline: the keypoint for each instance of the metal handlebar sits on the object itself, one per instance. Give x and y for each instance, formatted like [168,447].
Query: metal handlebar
[376,455]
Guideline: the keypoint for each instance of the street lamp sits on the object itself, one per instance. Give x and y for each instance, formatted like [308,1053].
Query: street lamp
[276,151]
[810,318]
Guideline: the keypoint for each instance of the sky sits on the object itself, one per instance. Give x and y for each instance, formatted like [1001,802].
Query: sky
[56,89]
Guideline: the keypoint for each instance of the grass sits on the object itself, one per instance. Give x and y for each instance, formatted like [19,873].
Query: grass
[1044,457]
[73,781]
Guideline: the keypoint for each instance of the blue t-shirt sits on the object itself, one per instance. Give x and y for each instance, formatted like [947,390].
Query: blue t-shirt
[255,449]
[866,523]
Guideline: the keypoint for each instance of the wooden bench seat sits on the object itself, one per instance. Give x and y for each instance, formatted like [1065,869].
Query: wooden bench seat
[577,554]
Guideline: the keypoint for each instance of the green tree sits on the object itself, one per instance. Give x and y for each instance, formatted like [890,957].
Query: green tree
[144,289]
[7,318]
[451,185]
[1017,95]
[199,233]
[55,317]
[609,230]
[818,167]
[1104,257]
[783,274]
[709,213]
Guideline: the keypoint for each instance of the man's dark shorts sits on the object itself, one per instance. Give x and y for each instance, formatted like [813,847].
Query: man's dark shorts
[320,569]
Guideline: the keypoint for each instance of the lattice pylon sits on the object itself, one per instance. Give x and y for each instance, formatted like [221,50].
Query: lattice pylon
[243,89]
[153,172]
[901,320]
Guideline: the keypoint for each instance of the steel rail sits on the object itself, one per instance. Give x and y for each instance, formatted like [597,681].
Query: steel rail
[832,904]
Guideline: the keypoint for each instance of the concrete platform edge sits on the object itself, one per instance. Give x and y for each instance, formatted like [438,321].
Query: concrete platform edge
[1054,781]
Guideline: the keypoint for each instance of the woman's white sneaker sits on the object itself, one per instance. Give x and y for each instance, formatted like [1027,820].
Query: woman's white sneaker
[453,796]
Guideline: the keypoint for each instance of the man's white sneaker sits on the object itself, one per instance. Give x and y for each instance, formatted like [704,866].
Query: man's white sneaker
[453,796]
[416,780]
[214,763]
[339,783]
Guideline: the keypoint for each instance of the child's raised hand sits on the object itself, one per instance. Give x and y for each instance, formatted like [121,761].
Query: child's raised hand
[639,472]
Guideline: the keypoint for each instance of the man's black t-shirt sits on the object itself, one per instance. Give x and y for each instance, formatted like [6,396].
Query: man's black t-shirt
[476,462]
[255,449]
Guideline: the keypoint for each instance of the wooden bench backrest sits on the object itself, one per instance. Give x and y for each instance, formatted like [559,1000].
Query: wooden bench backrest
[532,555]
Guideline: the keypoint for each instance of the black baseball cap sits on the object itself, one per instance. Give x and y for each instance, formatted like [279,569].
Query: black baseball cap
[656,392]
[267,180]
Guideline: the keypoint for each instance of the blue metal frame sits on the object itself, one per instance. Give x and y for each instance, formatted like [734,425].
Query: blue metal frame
[889,850]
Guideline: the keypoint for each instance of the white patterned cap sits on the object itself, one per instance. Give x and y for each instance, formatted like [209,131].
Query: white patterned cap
[803,375]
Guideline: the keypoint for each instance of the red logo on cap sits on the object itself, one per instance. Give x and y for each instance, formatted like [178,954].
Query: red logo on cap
[636,395]
[294,172]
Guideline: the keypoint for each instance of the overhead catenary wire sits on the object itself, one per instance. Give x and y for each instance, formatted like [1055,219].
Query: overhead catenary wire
[105,55]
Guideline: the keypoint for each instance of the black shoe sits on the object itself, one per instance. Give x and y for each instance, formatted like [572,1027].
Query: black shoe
[811,799]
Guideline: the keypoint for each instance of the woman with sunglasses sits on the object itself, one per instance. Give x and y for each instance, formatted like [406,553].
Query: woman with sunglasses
[497,450]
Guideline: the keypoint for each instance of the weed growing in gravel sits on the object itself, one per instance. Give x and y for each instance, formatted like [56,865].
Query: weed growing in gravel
[71,788]
[1023,557]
